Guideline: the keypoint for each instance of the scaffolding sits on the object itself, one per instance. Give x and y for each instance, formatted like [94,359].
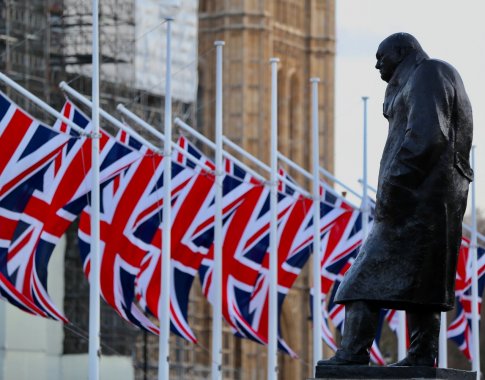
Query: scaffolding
[24,31]
[117,33]
[43,42]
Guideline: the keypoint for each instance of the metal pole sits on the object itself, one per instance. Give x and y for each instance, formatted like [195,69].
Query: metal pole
[401,334]
[150,128]
[217,275]
[309,176]
[473,253]
[164,304]
[212,145]
[9,82]
[273,237]
[443,343]
[65,87]
[242,152]
[263,166]
[365,201]
[94,289]
[330,176]
[317,288]
[157,133]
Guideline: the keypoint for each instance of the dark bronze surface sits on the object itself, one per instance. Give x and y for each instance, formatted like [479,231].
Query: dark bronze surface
[409,259]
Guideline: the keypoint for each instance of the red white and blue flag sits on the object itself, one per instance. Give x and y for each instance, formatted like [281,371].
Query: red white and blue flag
[295,236]
[340,246]
[460,329]
[28,149]
[191,186]
[245,243]
[119,258]
[50,210]
[460,332]
[244,201]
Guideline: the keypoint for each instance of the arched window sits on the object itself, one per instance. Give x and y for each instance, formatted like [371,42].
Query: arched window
[203,6]
[295,120]
[199,109]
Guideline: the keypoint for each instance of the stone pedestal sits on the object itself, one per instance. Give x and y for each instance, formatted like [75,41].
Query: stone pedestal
[366,372]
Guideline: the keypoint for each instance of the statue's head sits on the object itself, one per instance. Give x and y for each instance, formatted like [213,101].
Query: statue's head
[392,51]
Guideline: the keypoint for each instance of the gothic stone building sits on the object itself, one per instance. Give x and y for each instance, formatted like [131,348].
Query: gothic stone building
[302,35]
[45,41]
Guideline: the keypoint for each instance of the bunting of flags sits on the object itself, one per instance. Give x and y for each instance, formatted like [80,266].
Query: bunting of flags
[45,185]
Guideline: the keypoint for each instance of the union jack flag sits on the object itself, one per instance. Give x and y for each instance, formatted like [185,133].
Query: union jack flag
[340,246]
[295,235]
[244,198]
[341,243]
[464,288]
[50,210]
[246,240]
[188,197]
[460,329]
[460,332]
[119,258]
[28,148]
[139,194]
[296,240]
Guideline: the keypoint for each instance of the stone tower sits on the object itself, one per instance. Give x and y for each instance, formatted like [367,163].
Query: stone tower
[302,35]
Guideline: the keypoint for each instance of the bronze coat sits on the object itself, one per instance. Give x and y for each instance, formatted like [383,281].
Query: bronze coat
[409,259]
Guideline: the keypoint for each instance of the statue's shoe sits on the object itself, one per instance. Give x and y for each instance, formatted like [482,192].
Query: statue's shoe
[343,358]
[407,362]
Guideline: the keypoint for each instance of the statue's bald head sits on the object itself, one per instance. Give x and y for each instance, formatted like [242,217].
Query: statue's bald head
[404,41]
[393,50]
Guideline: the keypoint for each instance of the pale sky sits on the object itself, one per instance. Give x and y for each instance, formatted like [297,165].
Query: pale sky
[450,30]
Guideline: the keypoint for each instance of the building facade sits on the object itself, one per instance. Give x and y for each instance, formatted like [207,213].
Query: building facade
[45,41]
[302,35]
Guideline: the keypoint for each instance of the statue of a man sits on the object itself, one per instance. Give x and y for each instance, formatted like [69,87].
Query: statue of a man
[408,261]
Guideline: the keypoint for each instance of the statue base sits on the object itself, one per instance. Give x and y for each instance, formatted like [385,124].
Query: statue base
[367,372]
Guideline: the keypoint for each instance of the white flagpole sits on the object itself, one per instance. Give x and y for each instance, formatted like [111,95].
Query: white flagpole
[330,176]
[94,289]
[70,91]
[124,127]
[217,275]
[164,303]
[41,104]
[308,175]
[401,334]
[365,202]
[317,295]
[473,253]
[443,342]
[273,237]
[157,133]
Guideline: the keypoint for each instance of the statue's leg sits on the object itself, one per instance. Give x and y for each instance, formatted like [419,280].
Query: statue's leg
[424,331]
[361,319]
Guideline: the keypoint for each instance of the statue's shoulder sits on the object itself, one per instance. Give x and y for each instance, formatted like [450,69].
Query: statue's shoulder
[438,64]
[430,67]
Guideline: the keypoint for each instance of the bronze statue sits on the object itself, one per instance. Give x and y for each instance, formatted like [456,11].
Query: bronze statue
[408,261]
